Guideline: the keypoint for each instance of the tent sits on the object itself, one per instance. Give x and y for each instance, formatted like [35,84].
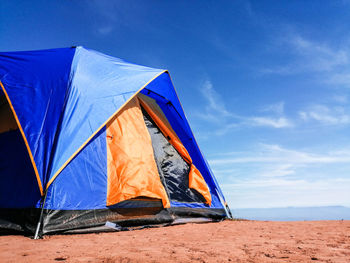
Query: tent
[86,139]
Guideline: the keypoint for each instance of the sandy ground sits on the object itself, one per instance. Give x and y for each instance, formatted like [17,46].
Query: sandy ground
[228,241]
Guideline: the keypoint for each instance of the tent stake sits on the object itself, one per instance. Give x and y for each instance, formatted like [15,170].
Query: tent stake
[36,235]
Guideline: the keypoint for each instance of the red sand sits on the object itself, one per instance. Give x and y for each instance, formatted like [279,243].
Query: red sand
[228,241]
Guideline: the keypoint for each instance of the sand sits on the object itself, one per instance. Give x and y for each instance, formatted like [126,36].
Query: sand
[227,241]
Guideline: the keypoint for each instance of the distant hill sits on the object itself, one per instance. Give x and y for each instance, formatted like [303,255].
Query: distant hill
[293,213]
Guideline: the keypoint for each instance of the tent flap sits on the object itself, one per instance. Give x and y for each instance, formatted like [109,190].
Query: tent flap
[132,171]
[196,180]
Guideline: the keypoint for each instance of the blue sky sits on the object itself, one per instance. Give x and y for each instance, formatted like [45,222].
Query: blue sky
[265,84]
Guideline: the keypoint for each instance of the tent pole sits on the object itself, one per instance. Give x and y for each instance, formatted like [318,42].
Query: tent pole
[36,235]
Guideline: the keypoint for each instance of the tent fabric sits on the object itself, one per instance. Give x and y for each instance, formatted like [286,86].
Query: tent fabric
[100,85]
[27,76]
[162,90]
[154,107]
[62,111]
[132,170]
[82,185]
[173,169]
[196,180]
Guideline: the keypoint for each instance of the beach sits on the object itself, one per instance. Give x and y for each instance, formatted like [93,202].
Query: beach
[226,241]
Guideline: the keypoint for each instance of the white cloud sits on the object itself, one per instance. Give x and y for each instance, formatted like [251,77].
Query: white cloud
[279,192]
[342,99]
[215,102]
[316,57]
[271,122]
[319,56]
[326,115]
[334,56]
[277,108]
[216,111]
[226,128]
[278,170]
[277,154]
[280,70]
[278,121]
[340,79]
[107,14]
[269,175]
[105,30]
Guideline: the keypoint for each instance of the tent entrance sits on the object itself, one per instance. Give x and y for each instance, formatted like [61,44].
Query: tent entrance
[173,170]
[132,171]
[146,158]
[181,179]
[7,121]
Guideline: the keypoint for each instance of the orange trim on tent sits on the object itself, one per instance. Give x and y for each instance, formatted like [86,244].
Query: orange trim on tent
[25,140]
[196,180]
[150,102]
[172,138]
[131,167]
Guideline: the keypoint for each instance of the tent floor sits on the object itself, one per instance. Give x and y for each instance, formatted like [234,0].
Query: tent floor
[78,221]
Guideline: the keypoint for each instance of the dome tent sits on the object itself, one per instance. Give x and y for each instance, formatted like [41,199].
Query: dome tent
[86,138]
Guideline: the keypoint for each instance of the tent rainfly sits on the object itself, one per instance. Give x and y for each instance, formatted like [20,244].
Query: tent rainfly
[87,138]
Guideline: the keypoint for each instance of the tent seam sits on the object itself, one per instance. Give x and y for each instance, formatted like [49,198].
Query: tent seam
[59,124]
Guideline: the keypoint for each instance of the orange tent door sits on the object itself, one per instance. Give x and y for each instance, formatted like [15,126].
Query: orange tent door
[131,168]
[196,180]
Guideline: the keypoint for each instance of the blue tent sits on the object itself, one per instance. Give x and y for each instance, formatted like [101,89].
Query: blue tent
[76,129]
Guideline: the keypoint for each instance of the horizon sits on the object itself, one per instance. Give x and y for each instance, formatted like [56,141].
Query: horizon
[293,213]
[283,207]
[264,85]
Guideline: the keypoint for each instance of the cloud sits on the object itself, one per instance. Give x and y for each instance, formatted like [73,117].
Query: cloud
[340,79]
[107,15]
[215,102]
[277,121]
[105,30]
[277,108]
[315,57]
[280,70]
[270,175]
[270,122]
[324,57]
[280,192]
[276,154]
[278,170]
[340,99]
[326,115]
[240,122]
[267,171]
[216,111]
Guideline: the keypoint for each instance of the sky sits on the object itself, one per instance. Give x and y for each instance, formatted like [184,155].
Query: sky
[264,84]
